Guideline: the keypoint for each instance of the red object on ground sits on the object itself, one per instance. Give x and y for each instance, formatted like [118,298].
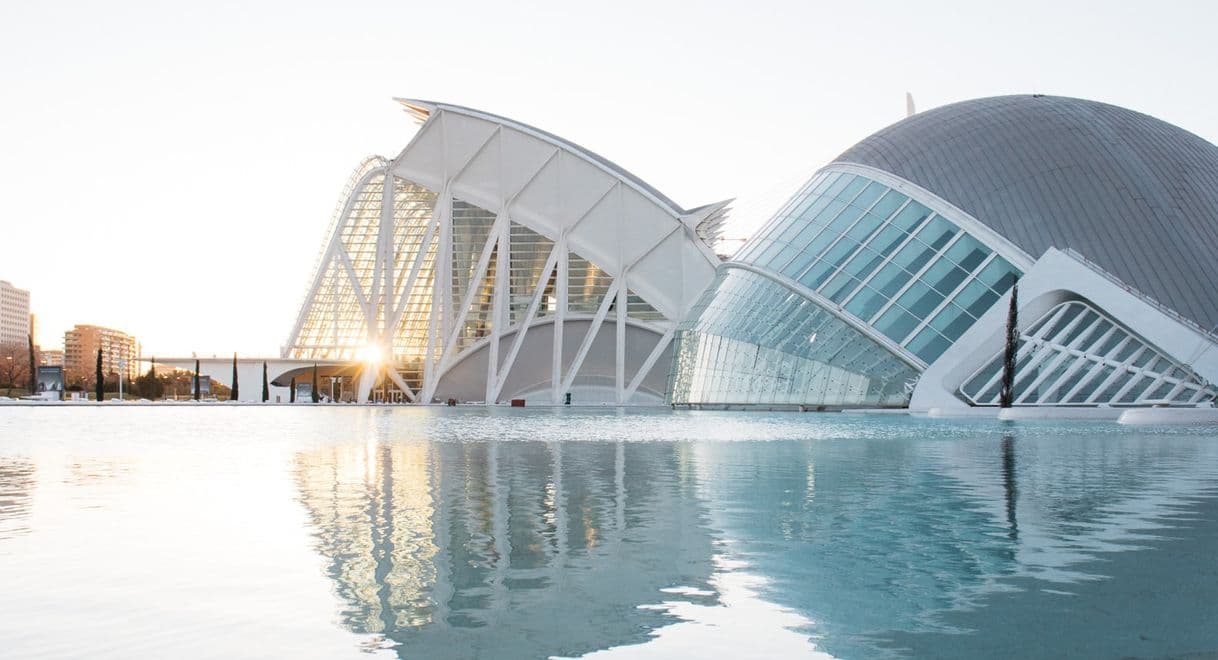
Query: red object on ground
[517,403]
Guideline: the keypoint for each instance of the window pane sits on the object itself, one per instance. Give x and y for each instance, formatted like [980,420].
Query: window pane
[911,217]
[896,323]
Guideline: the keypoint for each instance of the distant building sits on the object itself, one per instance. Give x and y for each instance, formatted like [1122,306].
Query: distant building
[80,346]
[14,314]
[51,358]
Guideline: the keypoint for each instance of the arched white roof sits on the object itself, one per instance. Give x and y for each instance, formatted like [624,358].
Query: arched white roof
[558,189]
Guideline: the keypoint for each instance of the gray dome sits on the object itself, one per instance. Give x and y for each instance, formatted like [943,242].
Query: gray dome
[1134,194]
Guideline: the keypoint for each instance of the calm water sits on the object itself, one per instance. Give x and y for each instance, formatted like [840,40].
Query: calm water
[457,533]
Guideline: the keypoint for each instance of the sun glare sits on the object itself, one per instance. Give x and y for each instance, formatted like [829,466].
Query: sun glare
[370,354]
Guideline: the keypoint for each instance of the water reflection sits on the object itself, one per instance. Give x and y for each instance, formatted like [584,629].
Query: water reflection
[507,549]
[17,480]
[907,532]
[1009,489]
[876,538]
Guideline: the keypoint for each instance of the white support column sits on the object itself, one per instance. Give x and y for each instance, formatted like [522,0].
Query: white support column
[404,299]
[500,306]
[475,287]
[597,320]
[385,242]
[380,261]
[358,290]
[619,370]
[560,315]
[522,328]
[397,380]
[441,289]
[650,362]
[367,378]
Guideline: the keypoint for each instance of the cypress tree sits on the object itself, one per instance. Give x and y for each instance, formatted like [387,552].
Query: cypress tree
[196,380]
[33,367]
[233,392]
[292,394]
[101,383]
[266,388]
[316,398]
[1007,394]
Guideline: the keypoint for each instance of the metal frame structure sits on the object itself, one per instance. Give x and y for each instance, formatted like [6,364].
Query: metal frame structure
[1074,354]
[445,262]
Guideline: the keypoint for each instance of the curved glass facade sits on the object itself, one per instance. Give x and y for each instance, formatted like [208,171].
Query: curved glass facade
[884,258]
[845,248]
[751,340]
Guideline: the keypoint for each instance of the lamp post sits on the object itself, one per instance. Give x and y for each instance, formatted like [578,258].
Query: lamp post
[122,366]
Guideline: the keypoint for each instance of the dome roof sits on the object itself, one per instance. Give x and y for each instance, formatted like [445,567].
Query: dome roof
[1134,194]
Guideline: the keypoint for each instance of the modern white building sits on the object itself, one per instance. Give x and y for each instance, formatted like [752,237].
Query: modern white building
[491,260]
[885,281]
[14,315]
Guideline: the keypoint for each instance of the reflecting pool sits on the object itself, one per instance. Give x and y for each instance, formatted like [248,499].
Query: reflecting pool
[332,532]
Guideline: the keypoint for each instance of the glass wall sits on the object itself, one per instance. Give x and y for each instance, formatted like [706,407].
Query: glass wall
[886,259]
[751,340]
[1076,355]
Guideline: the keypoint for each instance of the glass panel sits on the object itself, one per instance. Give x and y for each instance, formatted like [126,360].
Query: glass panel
[976,298]
[890,279]
[911,217]
[891,201]
[928,345]
[869,195]
[968,252]
[853,186]
[999,274]
[896,323]
[1095,381]
[754,341]
[920,299]
[866,303]
[937,232]
[944,276]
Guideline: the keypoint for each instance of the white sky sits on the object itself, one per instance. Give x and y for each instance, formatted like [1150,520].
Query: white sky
[169,169]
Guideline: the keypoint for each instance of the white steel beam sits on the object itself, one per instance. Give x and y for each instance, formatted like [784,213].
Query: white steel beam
[397,380]
[619,353]
[650,362]
[593,329]
[476,284]
[500,310]
[441,289]
[495,386]
[404,299]
[560,315]
[355,285]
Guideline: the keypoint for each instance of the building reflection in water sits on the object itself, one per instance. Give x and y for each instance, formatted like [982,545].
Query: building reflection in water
[529,548]
[901,534]
[17,480]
